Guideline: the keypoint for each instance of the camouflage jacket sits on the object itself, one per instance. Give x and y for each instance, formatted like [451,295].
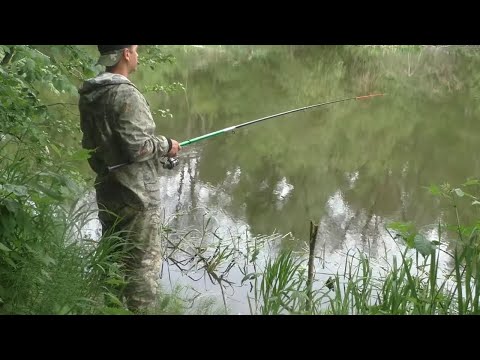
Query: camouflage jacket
[117,124]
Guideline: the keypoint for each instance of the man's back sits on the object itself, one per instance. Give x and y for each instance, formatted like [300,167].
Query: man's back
[117,125]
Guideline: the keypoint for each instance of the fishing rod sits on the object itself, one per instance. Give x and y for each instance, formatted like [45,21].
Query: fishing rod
[170,163]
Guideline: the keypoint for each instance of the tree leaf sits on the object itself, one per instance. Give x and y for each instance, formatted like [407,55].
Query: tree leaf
[10,262]
[12,205]
[459,192]
[4,248]
[422,245]
[434,190]
[115,311]
[62,310]
[250,276]
[47,260]
[472,182]
[114,299]
[55,149]
[19,190]
[49,192]
[81,155]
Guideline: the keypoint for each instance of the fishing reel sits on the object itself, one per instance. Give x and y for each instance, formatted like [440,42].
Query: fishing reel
[170,163]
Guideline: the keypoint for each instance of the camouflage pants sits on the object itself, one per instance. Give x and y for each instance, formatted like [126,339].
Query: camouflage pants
[143,260]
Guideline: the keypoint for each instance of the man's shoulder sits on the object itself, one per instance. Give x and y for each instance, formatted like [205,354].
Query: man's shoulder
[129,93]
[128,88]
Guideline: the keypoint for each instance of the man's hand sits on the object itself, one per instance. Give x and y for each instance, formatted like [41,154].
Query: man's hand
[175,149]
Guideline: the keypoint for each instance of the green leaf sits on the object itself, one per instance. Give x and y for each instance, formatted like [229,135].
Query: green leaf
[459,192]
[86,300]
[250,276]
[255,254]
[3,292]
[55,149]
[64,310]
[49,192]
[46,274]
[71,185]
[434,189]
[64,191]
[81,155]
[422,245]
[4,248]
[18,190]
[12,205]
[47,260]
[115,282]
[472,182]
[401,227]
[115,311]
[114,299]
[10,262]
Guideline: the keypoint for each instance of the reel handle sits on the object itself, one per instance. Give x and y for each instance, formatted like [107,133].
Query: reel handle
[170,163]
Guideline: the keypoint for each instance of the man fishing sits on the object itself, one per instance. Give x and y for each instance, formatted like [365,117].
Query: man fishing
[118,127]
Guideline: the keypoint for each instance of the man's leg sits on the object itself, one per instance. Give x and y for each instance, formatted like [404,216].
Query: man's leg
[144,259]
[114,249]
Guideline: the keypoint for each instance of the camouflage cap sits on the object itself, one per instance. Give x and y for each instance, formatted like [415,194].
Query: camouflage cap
[110,54]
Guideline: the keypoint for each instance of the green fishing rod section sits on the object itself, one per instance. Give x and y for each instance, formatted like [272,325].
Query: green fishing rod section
[170,163]
[235,127]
